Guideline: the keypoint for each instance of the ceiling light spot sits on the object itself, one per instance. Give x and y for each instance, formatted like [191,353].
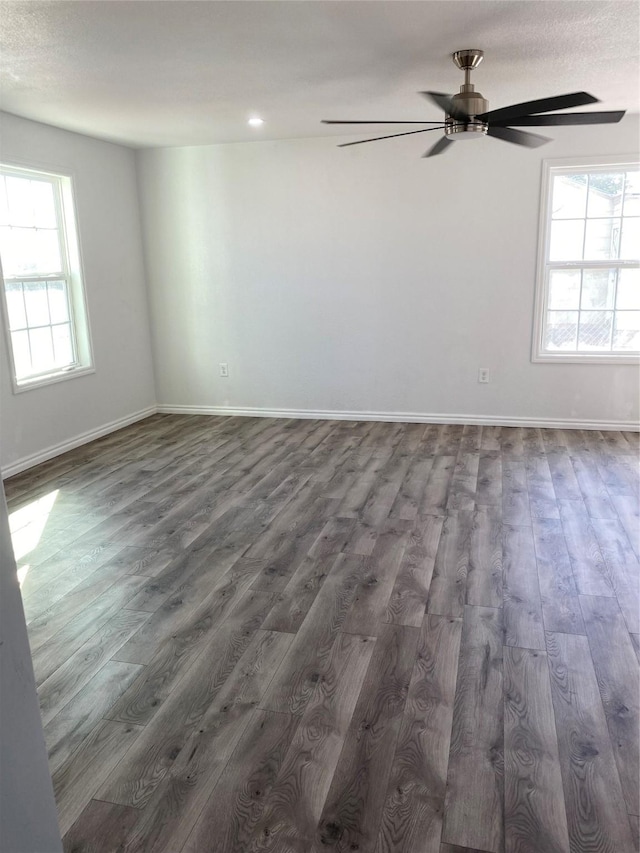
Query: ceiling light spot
[255,121]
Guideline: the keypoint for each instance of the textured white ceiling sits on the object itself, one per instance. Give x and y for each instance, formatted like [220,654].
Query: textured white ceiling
[190,73]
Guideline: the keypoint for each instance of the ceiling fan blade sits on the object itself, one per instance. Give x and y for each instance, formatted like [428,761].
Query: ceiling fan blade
[543,105]
[439,147]
[340,121]
[391,136]
[446,104]
[562,118]
[518,137]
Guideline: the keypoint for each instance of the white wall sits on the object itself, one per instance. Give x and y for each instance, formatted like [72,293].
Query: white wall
[28,817]
[361,279]
[109,226]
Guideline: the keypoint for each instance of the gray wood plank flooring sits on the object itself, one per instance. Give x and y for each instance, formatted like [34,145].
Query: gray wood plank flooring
[297,636]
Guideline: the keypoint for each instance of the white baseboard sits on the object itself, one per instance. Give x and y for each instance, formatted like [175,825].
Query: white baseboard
[316,414]
[77,441]
[404,417]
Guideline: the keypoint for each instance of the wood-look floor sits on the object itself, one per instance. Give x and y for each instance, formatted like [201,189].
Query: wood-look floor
[268,635]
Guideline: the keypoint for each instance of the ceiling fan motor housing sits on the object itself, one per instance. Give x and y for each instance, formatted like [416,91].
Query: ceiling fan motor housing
[470,101]
[473,104]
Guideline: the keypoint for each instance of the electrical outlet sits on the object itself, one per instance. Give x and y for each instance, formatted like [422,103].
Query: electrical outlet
[224,369]
[483,375]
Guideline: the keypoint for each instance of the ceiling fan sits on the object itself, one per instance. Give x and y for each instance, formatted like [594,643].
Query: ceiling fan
[467,115]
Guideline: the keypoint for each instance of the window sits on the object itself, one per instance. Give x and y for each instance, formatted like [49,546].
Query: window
[588,299]
[43,296]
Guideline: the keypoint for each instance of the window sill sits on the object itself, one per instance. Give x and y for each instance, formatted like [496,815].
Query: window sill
[584,358]
[50,379]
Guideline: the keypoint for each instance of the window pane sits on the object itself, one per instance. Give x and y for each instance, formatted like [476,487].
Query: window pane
[595,330]
[20,201]
[605,194]
[24,249]
[41,349]
[28,251]
[62,346]
[58,304]
[598,288]
[627,332]
[561,332]
[628,289]
[569,196]
[632,194]
[35,297]
[566,240]
[602,239]
[11,252]
[46,250]
[15,305]
[564,289]
[43,204]
[21,356]
[630,245]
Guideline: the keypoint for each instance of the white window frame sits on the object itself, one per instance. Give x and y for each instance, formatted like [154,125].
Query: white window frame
[550,168]
[72,271]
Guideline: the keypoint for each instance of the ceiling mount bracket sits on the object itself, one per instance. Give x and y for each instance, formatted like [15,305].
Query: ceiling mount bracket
[466,60]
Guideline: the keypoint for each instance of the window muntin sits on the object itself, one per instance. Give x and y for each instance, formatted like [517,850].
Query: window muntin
[43,299]
[589,307]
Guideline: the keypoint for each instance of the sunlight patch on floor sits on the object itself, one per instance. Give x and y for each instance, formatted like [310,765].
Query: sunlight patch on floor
[22,573]
[28,523]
